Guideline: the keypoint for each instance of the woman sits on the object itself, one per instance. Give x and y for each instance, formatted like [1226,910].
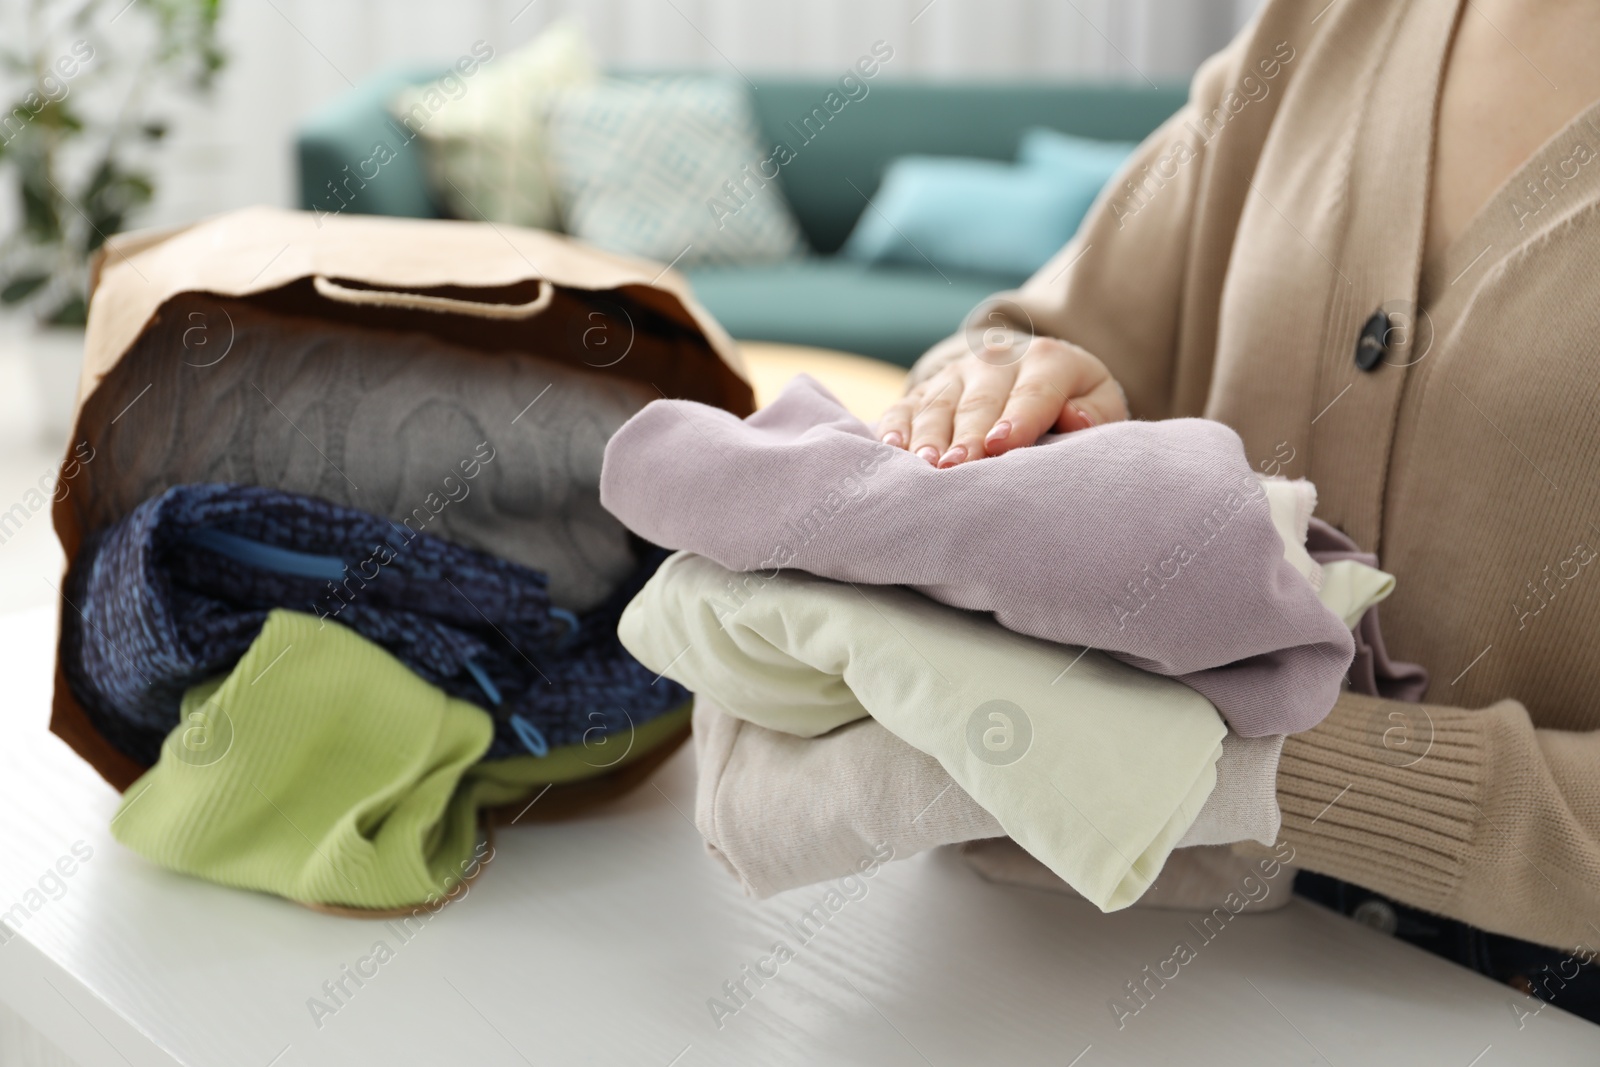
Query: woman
[1371,245]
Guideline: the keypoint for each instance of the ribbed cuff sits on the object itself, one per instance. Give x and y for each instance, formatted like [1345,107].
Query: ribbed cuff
[1388,796]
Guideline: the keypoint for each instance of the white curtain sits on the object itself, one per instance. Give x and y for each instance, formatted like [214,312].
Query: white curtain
[287,57]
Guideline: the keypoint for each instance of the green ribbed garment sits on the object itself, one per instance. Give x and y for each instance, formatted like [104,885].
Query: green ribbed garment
[324,770]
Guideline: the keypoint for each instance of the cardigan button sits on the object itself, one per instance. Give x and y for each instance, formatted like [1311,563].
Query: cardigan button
[1373,343]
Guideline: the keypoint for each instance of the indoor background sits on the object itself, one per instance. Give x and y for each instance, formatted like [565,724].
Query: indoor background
[284,59]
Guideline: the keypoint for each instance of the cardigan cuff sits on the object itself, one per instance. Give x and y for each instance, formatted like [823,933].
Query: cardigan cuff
[1387,795]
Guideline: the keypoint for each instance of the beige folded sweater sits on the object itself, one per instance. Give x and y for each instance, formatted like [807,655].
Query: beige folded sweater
[781,811]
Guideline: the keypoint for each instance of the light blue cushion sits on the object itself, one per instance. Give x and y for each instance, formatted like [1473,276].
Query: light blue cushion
[1081,165]
[981,215]
[1079,159]
[962,214]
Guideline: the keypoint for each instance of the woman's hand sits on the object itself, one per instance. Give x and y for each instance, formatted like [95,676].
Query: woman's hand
[987,404]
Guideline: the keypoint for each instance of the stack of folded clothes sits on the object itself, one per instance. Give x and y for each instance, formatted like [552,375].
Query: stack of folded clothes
[1093,646]
[349,587]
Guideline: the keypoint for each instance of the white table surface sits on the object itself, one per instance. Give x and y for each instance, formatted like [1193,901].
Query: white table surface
[599,941]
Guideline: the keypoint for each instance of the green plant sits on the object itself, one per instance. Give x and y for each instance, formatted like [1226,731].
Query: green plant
[74,167]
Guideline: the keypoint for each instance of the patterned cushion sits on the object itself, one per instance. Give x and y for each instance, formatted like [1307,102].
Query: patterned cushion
[669,169]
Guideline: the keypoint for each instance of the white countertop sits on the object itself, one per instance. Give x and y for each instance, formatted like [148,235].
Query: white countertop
[601,940]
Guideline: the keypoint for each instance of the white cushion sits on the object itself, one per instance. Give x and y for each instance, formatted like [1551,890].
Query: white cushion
[483,134]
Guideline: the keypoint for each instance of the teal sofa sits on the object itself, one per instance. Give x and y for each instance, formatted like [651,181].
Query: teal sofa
[892,313]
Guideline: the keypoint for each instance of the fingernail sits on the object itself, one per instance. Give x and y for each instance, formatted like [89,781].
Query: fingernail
[1083,414]
[893,439]
[1001,431]
[929,453]
[956,454]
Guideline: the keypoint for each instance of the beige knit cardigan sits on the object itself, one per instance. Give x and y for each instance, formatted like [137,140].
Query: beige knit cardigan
[1230,272]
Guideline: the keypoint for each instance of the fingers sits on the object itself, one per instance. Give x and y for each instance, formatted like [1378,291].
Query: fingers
[933,416]
[1060,387]
[984,390]
[894,429]
[1035,403]
[976,407]
[1103,402]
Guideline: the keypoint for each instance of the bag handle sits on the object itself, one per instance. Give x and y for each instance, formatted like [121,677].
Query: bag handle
[390,298]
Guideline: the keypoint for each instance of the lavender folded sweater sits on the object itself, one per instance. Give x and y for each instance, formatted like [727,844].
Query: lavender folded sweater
[1151,541]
